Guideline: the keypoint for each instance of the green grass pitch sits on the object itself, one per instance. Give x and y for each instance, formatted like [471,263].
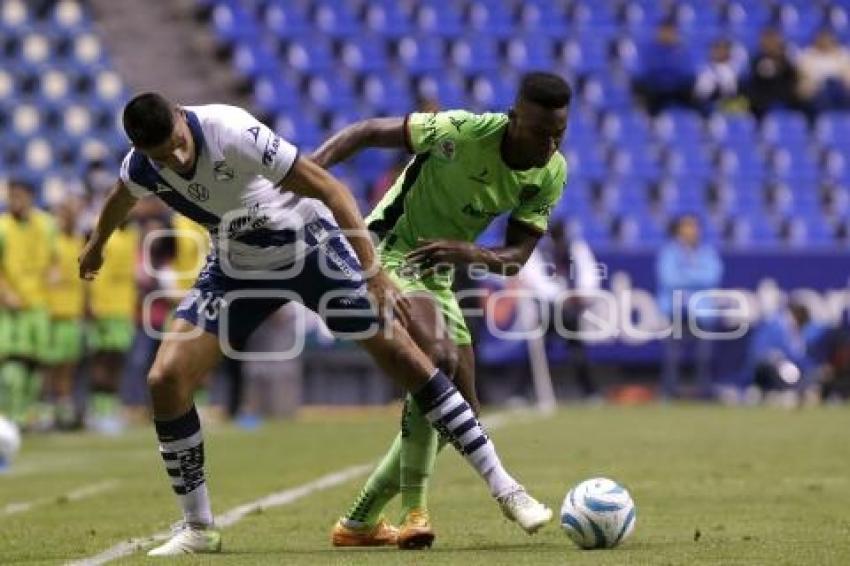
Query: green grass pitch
[759,486]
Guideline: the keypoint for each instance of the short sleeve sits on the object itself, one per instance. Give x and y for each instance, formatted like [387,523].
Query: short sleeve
[135,189]
[536,203]
[254,149]
[426,130]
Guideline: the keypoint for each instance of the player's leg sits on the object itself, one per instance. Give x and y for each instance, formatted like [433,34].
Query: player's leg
[111,340]
[438,332]
[447,411]
[179,367]
[396,353]
[65,345]
[13,373]
[363,525]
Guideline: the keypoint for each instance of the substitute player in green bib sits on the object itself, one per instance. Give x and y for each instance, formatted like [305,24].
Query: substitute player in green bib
[467,170]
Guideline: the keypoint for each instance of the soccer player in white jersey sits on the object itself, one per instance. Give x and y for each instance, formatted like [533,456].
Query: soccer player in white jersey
[276,221]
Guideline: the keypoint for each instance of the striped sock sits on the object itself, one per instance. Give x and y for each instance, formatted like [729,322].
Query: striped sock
[181,445]
[448,412]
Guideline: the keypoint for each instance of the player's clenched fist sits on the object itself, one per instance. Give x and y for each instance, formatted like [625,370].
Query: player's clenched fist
[90,261]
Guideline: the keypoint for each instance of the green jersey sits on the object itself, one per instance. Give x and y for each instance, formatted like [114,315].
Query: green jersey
[457,183]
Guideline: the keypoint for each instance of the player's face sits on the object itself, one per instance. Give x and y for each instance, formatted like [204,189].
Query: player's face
[538,131]
[689,231]
[177,152]
[20,200]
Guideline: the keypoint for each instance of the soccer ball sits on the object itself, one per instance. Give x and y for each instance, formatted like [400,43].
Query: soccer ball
[10,440]
[598,513]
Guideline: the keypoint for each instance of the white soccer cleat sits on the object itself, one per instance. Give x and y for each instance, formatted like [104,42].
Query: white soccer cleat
[526,511]
[189,540]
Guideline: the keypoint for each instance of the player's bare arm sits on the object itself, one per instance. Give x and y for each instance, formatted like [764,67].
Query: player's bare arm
[308,179]
[115,210]
[508,259]
[375,132]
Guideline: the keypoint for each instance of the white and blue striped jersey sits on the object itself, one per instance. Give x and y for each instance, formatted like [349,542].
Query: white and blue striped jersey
[232,190]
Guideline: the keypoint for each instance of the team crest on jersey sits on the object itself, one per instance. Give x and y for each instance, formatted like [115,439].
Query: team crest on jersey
[528,192]
[447,147]
[223,172]
[198,192]
[254,132]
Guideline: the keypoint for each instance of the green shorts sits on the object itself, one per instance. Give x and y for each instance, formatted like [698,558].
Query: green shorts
[111,334]
[25,334]
[445,298]
[66,341]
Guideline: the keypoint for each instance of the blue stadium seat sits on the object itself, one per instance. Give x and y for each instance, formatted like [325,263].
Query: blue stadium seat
[783,125]
[309,54]
[330,90]
[232,22]
[274,94]
[732,128]
[333,18]
[421,54]
[285,20]
[447,90]
[386,19]
[365,54]
[438,19]
[529,52]
[491,18]
[475,54]
[678,125]
[252,60]
[831,128]
[387,94]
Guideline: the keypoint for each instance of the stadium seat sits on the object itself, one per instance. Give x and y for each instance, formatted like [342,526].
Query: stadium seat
[386,19]
[784,125]
[420,54]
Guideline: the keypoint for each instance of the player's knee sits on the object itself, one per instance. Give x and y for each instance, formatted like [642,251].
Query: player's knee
[170,373]
[446,358]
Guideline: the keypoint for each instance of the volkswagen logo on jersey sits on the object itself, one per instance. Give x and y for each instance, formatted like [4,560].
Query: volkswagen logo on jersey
[223,172]
[198,192]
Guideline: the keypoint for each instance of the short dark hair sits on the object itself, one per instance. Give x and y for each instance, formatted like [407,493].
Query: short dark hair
[148,119]
[20,183]
[545,89]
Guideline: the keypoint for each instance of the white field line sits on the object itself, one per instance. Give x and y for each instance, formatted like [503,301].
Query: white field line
[83,492]
[285,497]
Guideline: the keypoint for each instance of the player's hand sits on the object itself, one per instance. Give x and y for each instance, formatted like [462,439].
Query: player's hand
[433,256]
[10,300]
[90,261]
[388,297]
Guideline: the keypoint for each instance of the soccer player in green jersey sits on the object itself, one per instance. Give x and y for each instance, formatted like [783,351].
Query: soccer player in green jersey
[467,170]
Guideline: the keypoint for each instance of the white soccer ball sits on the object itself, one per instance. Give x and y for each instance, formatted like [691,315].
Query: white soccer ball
[598,513]
[10,439]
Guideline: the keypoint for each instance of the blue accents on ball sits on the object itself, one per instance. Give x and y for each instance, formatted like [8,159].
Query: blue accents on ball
[601,541]
[599,506]
[573,523]
[629,518]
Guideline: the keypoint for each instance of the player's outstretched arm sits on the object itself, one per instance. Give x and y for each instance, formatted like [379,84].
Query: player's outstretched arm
[374,132]
[520,240]
[308,179]
[115,210]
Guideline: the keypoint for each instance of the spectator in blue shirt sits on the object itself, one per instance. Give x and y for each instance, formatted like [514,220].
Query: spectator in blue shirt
[666,70]
[684,266]
[782,353]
